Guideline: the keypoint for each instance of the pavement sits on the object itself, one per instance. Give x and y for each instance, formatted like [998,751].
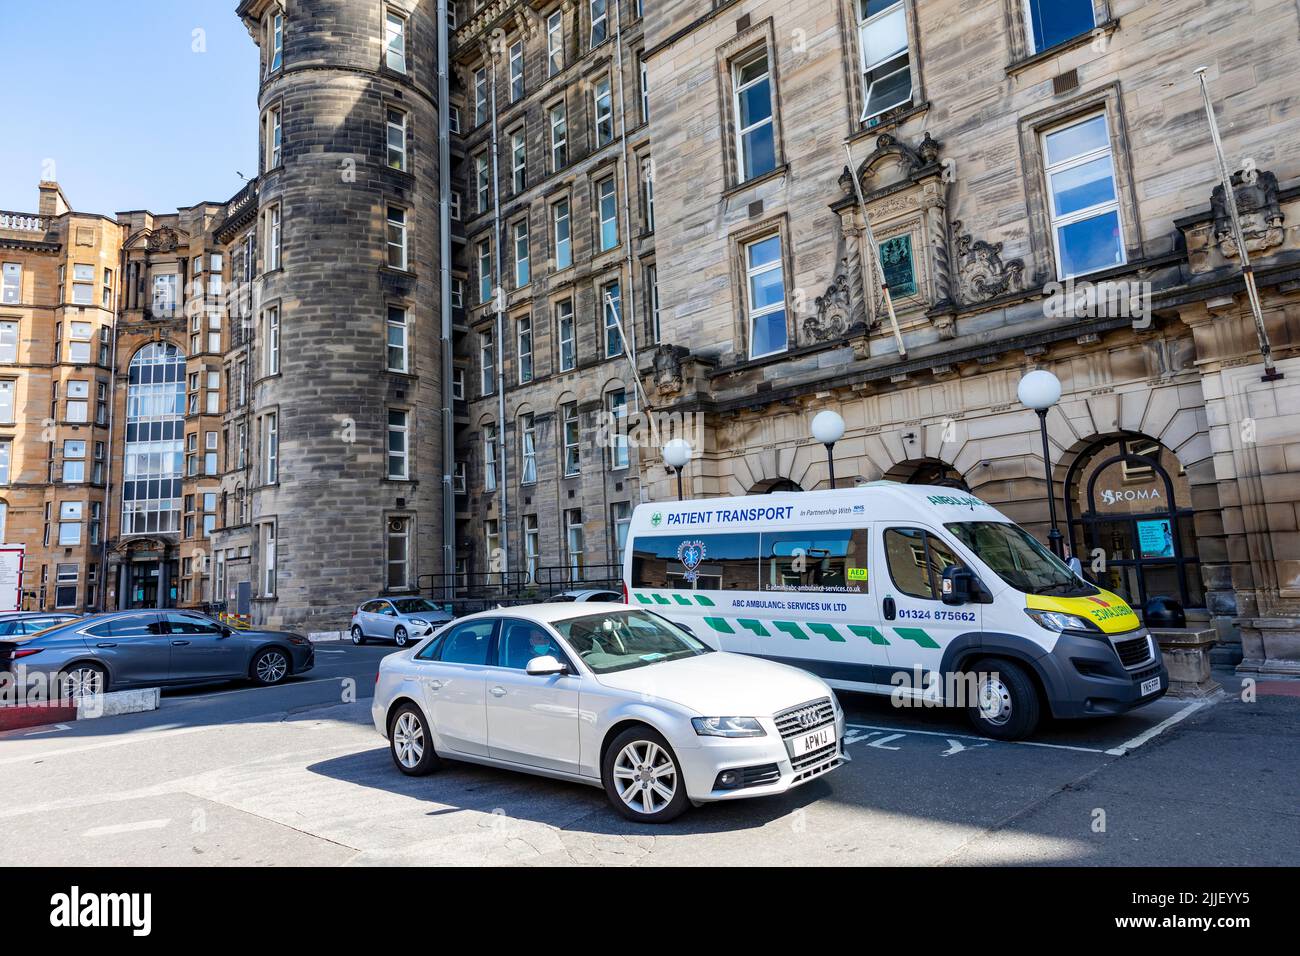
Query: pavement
[296,775]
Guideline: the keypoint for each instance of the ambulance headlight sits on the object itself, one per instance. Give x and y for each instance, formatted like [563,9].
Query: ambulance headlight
[1060,621]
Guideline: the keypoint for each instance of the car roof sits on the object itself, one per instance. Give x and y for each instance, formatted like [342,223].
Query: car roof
[550,613]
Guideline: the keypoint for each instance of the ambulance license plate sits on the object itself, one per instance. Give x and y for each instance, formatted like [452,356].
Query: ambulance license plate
[1150,686]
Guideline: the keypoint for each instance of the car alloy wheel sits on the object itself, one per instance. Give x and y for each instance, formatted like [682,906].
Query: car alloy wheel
[357,636]
[408,740]
[83,683]
[271,667]
[399,635]
[645,777]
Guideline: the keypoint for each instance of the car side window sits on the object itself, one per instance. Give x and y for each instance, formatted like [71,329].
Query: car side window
[371,607]
[186,624]
[468,643]
[521,641]
[385,609]
[917,560]
[136,625]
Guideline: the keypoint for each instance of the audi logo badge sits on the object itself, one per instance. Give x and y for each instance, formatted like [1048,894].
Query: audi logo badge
[808,718]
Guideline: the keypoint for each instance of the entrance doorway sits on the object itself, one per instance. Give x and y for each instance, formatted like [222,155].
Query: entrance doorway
[1127,507]
[145,582]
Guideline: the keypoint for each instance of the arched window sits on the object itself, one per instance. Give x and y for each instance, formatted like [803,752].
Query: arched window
[155,406]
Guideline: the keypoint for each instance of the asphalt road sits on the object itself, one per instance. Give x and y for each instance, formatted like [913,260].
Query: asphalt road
[236,775]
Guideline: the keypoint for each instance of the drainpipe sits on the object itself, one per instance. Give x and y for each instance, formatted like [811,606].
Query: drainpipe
[499,302]
[630,298]
[448,402]
[106,518]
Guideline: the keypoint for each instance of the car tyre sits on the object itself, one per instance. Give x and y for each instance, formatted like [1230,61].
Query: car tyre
[1006,705]
[400,636]
[643,777]
[410,742]
[270,667]
[357,637]
[83,680]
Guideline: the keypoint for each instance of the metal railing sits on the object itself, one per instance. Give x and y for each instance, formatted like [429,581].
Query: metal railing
[474,591]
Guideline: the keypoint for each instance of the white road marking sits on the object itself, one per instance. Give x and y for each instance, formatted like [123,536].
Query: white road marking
[48,730]
[880,744]
[126,828]
[321,650]
[1153,732]
[956,747]
[983,740]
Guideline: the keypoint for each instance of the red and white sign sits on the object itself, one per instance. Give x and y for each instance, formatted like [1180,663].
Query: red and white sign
[11,578]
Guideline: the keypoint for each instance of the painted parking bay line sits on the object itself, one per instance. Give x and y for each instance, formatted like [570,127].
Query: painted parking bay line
[1151,733]
[136,827]
[984,740]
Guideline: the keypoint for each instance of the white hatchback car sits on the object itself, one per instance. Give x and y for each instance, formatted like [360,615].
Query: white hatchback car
[612,696]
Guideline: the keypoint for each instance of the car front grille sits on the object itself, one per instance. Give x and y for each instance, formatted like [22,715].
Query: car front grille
[811,764]
[805,717]
[1134,652]
[1146,674]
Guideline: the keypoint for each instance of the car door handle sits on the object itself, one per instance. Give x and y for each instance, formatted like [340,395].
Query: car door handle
[179,643]
[889,608]
[498,691]
[107,644]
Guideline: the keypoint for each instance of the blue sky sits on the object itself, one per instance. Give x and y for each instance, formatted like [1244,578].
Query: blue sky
[116,96]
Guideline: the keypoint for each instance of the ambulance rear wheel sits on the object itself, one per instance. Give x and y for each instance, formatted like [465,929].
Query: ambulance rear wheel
[1006,701]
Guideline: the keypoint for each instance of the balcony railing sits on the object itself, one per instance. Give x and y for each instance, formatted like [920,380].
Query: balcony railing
[22,222]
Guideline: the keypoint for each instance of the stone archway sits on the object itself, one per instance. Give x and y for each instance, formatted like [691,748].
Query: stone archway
[927,471]
[772,486]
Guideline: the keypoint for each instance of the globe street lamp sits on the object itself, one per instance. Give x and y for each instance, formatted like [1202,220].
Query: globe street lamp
[828,428]
[677,455]
[1040,390]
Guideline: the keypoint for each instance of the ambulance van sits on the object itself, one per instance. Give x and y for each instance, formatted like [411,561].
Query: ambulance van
[923,593]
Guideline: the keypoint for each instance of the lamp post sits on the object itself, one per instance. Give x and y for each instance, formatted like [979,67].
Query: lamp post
[1040,390]
[677,455]
[828,428]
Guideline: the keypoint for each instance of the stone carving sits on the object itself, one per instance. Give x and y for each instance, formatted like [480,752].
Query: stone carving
[911,160]
[668,374]
[981,273]
[832,318]
[1259,209]
[162,240]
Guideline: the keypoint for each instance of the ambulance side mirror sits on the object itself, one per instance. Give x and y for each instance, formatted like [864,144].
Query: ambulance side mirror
[960,586]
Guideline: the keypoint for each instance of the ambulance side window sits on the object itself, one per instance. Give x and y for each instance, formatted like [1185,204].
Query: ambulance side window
[696,562]
[917,560]
[832,560]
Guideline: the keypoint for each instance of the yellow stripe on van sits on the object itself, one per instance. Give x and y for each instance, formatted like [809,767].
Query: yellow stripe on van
[1106,610]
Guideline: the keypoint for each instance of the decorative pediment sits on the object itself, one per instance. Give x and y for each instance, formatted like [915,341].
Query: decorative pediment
[162,239]
[1259,210]
[892,162]
[981,273]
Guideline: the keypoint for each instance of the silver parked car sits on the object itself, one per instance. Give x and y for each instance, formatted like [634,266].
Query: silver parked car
[122,649]
[588,594]
[399,619]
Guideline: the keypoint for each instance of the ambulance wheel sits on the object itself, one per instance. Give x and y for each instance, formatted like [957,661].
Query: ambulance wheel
[1006,701]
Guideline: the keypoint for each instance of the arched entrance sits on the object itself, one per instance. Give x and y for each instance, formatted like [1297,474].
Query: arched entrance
[1128,502]
[775,486]
[928,471]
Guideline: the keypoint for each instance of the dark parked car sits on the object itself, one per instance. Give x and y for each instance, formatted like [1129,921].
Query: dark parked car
[122,649]
[29,622]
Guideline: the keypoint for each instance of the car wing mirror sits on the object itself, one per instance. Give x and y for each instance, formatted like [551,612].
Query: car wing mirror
[545,666]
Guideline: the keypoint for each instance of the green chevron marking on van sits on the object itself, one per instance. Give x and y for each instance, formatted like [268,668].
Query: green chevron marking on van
[827,631]
[921,638]
[662,600]
[870,633]
[792,629]
[681,600]
[703,601]
[754,626]
[644,599]
[719,624]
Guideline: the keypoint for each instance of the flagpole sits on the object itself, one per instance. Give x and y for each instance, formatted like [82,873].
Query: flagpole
[873,253]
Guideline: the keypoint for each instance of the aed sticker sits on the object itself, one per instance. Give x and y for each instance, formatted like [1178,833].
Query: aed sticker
[857,574]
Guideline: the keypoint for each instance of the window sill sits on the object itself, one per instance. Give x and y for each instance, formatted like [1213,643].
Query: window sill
[1025,63]
[777,173]
[394,271]
[888,120]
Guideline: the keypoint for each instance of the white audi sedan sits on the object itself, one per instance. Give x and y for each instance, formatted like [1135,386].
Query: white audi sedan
[614,697]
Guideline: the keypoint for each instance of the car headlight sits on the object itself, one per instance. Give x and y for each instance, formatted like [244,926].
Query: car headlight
[727,727]
[1060,621]
[419,623]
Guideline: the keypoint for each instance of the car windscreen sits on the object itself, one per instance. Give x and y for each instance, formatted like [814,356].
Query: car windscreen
[622,640]
[1019,560]
[414,606]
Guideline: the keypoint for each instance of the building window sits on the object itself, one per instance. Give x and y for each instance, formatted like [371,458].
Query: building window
[559,137]
[643,69]
[65,585]
[599,22]
[492,543]
[210,453]
[399,553]
[397,339]
[453,119]
[397,442]
[886,64]
[74,462]
[6,454]
[489,458]
[555,43]
[525,344]
[152,458]
[480,96]
[266,536]
[454,202]
[70,513]
[277,41]
[271,340]
[164,294]
[518,161]
[1050,22]
[517,71]
[78,402]
[765,304]
[83,285]
[8,342]
[487,360]
[397,252]
[521,253]
[459,480]
[607,202]
[572,435]
[458,384]
[212,397]
[574,541]
[395,42]
[618,442]
[648,192]
[755,132]
[604,113]
[563,238]
[106,293]
[652,301]
[532,547]
[271,447]
[79,347]
[96,522]
[482,182]
[1083,198]
[528,449]
[274,141]
[564,335]
[397,139]
[620,513]
[484,271]
[11,283]
[272,239]
[611,301]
